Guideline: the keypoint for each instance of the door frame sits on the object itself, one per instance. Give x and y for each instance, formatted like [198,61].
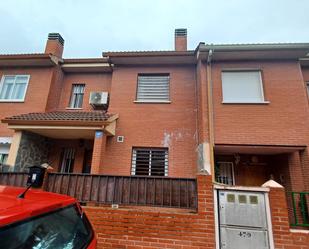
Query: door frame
[263,190]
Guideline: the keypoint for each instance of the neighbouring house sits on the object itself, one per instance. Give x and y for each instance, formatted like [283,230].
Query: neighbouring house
[160,121]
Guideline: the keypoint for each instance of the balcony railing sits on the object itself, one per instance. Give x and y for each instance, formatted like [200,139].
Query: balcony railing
[126,190]
[300,202]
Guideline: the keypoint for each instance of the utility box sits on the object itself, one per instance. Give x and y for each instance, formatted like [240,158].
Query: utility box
[243,220]
[36,176]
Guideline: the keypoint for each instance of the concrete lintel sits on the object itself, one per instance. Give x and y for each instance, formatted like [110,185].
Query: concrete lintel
[241,188]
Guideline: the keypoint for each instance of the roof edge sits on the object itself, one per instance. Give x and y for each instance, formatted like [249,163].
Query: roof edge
[148,53]
[254,46]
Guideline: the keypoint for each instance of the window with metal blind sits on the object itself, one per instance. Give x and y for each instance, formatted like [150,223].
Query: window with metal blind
[150,161]
[242,87]
[77,96]
[153,88]
[13,87]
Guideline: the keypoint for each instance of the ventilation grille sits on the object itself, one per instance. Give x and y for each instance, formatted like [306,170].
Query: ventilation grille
[56,36]
[180,32]
[150,161]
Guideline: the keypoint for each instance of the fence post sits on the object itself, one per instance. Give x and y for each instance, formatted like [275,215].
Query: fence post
[279,212]
[48,170]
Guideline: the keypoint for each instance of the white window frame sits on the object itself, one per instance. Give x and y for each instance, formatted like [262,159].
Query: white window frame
[153,100]
[229,165]
[263,101]
[72,94]
[16,75]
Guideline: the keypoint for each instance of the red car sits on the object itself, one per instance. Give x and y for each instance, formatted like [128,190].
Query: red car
[42,220]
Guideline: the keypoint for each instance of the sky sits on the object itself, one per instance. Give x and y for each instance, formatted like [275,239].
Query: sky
[90,27]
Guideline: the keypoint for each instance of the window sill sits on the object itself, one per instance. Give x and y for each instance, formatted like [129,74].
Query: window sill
[245,103]
[12,100]
[152,102]
[71,108]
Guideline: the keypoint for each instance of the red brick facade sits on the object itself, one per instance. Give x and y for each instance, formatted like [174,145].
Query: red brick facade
[275,123]
[262,140]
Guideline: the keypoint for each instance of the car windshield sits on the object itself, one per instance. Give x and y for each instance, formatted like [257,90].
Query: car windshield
[63,229]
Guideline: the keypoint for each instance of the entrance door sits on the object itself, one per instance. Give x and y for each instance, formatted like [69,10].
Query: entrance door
[242,220]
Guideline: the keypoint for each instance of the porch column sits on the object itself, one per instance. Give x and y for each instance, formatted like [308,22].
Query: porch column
[14,148]
[98,151]
[296,173]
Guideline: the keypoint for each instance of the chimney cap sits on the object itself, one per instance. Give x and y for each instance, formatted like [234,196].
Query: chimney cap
[56,36]
[180,32]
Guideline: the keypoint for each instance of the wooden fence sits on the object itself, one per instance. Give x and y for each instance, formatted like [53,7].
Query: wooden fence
[128,190]
[18,179]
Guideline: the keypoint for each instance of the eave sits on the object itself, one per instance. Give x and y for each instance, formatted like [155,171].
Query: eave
[304,62]
[151,58]
[247,52]
[28,60]
[87,65]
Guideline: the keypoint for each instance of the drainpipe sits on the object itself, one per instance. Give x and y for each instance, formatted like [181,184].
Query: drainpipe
[210,113]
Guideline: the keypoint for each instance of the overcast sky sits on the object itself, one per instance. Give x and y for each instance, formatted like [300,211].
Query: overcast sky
[92,26]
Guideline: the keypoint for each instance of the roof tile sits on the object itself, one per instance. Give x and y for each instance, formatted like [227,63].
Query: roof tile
[63,116]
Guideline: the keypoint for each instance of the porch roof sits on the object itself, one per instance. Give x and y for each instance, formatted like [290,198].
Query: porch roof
[72,117]
[64,124]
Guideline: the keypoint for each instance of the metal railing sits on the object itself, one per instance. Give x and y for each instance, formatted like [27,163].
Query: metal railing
[127,190]
[300,201]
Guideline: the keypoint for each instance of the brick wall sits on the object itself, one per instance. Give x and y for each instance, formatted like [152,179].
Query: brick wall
[153,125]
[36,95]
[202,104]
[93,82]
[282,121]
[55,89]
[157,228]
[284,238]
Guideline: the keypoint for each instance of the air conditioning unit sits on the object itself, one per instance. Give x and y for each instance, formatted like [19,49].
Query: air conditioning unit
[99,99]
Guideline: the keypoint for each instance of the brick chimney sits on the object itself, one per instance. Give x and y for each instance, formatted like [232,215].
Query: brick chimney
[181,39]
[54,44]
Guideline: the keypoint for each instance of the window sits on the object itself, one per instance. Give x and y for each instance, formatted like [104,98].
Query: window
[153,88]
[67,160]
[150,161]
[5,143]
[308,87]
[63,228]
[225,173]
[77,96]
[242,87]
[13,87]
[3,158]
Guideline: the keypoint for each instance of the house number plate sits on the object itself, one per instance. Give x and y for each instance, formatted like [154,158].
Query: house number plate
[244,234]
